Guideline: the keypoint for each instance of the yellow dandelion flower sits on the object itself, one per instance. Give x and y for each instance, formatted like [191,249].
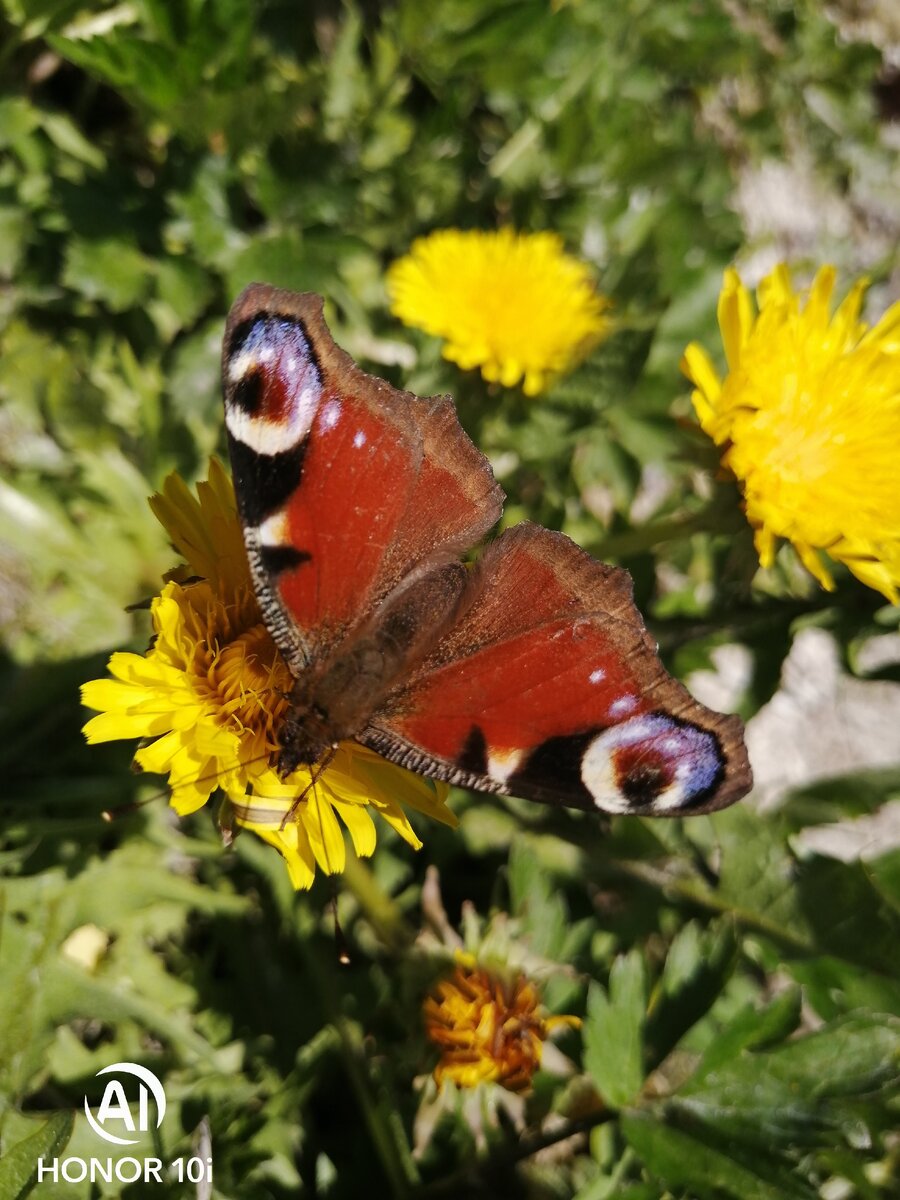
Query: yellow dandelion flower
[514,305]
[210,696]
[489,1027]
[205,531]
[809,415]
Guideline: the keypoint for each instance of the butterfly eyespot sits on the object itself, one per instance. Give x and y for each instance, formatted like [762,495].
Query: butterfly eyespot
[273,384]
[642,774]
[652,763]
[248,390]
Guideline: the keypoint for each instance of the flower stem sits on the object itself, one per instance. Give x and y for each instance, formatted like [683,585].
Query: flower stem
[385,917]
[386,1132]
[493,1164]
[668,529]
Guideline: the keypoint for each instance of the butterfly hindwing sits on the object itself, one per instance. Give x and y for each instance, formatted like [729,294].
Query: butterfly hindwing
[550,688]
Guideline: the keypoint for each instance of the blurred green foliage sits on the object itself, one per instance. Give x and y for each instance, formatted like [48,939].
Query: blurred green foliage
[741,998]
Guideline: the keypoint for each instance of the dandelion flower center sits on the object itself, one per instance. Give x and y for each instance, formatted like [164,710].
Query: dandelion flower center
[487,1028]
[249,679]
[228,658]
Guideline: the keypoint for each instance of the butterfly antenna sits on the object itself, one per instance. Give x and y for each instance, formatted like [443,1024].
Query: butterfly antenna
[340,940]
[318,770]
[118,811]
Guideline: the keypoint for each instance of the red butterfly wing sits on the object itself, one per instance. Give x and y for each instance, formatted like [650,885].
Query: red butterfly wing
[344,484]
[533,675]
[550,688]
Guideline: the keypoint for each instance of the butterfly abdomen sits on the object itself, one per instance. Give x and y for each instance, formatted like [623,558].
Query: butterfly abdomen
[335,700]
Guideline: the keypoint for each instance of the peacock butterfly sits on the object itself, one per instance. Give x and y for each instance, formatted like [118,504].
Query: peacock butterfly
[530,674]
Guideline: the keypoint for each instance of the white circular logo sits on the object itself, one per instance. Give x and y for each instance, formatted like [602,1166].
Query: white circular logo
[114,1106]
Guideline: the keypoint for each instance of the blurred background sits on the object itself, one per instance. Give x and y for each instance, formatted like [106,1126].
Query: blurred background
[154,159]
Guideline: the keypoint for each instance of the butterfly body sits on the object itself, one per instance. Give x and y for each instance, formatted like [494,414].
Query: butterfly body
[337,701]
[530,673]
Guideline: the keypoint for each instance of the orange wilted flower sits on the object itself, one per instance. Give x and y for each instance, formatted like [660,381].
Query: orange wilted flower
[489,1028]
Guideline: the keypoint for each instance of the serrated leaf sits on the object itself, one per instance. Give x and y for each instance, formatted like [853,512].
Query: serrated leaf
[697,967]
[795,1093]
[819,905]
[752,1029]
[613,1031]
[707,1165]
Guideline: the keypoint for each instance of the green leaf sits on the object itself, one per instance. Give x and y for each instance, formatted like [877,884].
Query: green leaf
[795,1093]
[67,137]
[707,1165]
[183,291]
[98,541]
[818,905]
[846,914]
[542,909]
[18,119]
[276,258]
[345,82]
[112,271]
[13,240]
[884,874]
[613,1031]
[752,1029]
[18,1166]
[833,987]
[697,967]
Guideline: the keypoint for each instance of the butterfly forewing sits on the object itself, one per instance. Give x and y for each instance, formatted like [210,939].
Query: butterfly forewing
[344,484]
